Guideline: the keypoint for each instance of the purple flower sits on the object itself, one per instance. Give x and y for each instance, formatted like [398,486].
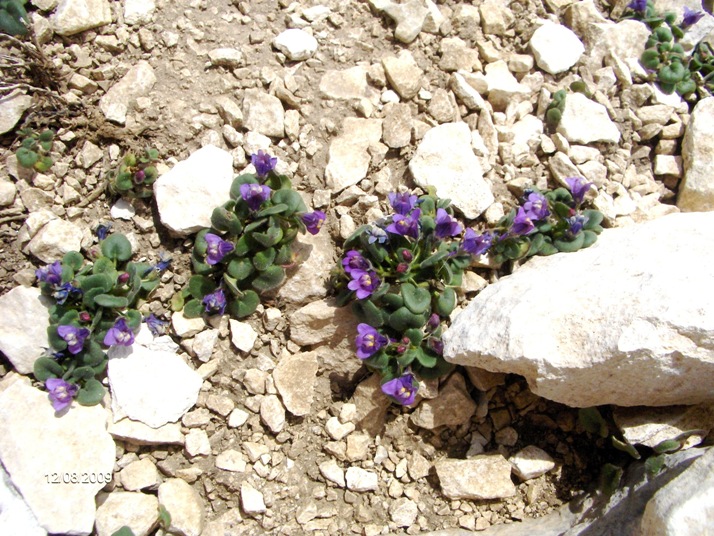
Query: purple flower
[156,326]
[446,225]
[139,176]
[405,225]
[254,194]
[313,221]
[436,345]
[402,390]
[369,341]
[65,292]
[73,336]
[364,283]
[119,335]
[263,163]
[536,206]
[215,302]
[103,230]
[433,322]
[522,224]
[376,235]
[217,248]
[354,260]
[61,392]
[691,17]
[575,225]
[638,5]
[402,203]
[578,187]
[51,274]
[476,244]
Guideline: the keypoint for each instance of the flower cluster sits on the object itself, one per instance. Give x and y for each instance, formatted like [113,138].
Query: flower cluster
[402,271]
[135,175]
[249,246]
[93,310]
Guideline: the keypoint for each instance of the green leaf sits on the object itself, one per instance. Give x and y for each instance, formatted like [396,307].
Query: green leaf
[82,373]
[416,299]
[662,34]
[686,87]
[572,245]
[199,286]
[124,531]
[104,265]
[264,259]
[441,368]
[625,446]
[650,59]
[433,259]
[177,301]
[592,218]
[407,357]
[668,445]
[45,368]
[245,305]
[591,420]
[414,335]
[224,219]
[378,361]
[425,359]
[654,464]
[589,238]
[89,295]
[240,268]
[547,249]
[446,302]
[108,300]
[269,279]
[257,224]
[193,309]
[73,259]
[164,517]
[94,355]
[200,246]
[291,198]
[117,247]
[103,282]
[26,158]
[610,477]
[403,318]
[275,209]
[133,319]
[91,393]
[368,312]
[393,300]
[43,164]
[242,247]
[272,236]
[284,256]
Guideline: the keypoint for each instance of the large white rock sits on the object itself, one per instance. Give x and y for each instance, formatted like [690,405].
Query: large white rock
[54,239]
[153,387]
[134,510]
[15,516]
[185,506]
[628,321]
[294,378]
[481,478]
[36,447]
[138,11]
[188,193]
[503,87]
[296,44]
[74,16]
[12,107]
[349,156]
[23,333]
[445,160]
[115,104]
[586,121]
[556,48]
[263,113]
[696,192]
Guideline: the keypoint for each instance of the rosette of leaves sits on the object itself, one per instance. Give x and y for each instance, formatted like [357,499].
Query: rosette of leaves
[411,290]
[667,59]
[13,17]
[257,242]
[135,175]
[90,298]
[566,228]
[34,151]
[701,65]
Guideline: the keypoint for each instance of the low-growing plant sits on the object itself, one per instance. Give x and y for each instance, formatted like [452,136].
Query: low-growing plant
[34,151]
[401,273]
[249,247]
[554,111]
[13,17]
[135,175]
[94,308]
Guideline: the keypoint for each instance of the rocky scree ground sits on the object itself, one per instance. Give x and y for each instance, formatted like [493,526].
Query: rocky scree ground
[345,120]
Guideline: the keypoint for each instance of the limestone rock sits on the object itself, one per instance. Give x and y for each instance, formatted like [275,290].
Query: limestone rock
[397,125]
[371,404]
[294,378]
[586,121]
[123,210]
[185,506]
[12,107]
[263,113]
[651,426]
[696,192]
[116,103]
[188,193]
[138,433]
[139,11]
[54,239]
[296,44]
[359,479]
[556,48]
[243,335]
[349,157]
[531,462]
[231,58]
[346,84]
[452,407]
[403,73]
[134,510]
[310,279]
[445,160]
[139,475]
[272,413]
[631,307]
[332,472]
[74,16]
[480,478]
[153,387]
[403,512]
[496,16]
[409,17]
[321,322]
[23,334]
[50,446]
[251,499]
[503,87]
[15,515]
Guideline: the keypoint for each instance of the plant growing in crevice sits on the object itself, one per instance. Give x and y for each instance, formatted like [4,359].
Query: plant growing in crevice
[34,150]
[94,308]
[135,175]
[556,107]
[249,247]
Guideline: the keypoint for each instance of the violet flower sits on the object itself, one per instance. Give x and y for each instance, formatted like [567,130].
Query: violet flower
[163,264]
[402,390]
[51,274]
[73,336]
[313,221]
[476,244]
[156,326]
[575,225]
[638,5]
[405,225]
[263,163]
[364,283]
[369,341]
[254,194]
[215,302]
[139,177]
[103,230]
[433,322]
[119,334]
[522,224]
[354,260]
[376,234]
[691,17]
[402,203]
[61,392]
[217,248]
[578,187]
[65,292]
[536,206]
[446,225]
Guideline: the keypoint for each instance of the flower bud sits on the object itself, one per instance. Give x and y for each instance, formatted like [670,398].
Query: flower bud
[402,268]
[407,255]
[123,278]
[139,176]
[85,317]
[433,322]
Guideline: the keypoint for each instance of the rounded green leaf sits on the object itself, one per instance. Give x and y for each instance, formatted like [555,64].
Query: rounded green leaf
[97,281]
[91,393]
[426,359]
[94,355]
[117,247]
[240,268]
[414,335]
[26,158]
[441,368]
[368,312]
[446,302]
[81,373]
[662,34]
[403,318]
[224,219]
[245,305]
[416,299]
[650,59]
[284,256]
[569,246]
[291,198]
[668,445]
[264,259]
[589,238]
[392,300]
[193,309]
[275,209]
[407,357]
[124,531]
[45,368]
[270,237]
[552,117]
[269,279]
[114,302]
[43,164]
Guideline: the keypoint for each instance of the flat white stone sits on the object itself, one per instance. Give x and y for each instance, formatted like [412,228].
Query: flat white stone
[54,239]
[251,499]
[74,16]
[138,11]
[23,334]
[263,113]
[531,462]
[296,44]
[243,335]
[347,84]
[134,510]
[696,192]
[272,413]
[15,516]
[237,417]
[138,433]
[139,475]
[117,102]
[349,157]
[12,107]
[359,479]
[185,506]
[48,449]
[310,280]
[481,478]
[197,443]
[333,472]
[188,193]
[556,48]
[231,460]
[294,378]
[586,121]
[122,210]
